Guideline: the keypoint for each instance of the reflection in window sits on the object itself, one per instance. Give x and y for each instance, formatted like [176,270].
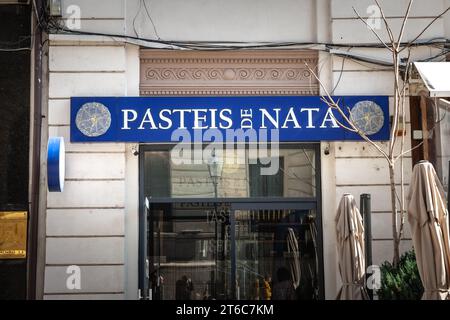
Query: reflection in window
[276,255]
[266,185]
[242,175]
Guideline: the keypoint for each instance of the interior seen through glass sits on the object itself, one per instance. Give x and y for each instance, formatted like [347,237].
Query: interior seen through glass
[201,247]
[273,255]
[236,174]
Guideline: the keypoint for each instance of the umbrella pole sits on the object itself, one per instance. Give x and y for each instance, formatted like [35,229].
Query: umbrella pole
[448,188]
[366,215]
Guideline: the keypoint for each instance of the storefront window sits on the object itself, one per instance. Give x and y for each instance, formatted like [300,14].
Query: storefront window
[242,174]
[236,226]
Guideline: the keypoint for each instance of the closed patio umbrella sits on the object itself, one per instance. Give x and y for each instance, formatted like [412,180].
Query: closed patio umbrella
[350,244]
[428,218]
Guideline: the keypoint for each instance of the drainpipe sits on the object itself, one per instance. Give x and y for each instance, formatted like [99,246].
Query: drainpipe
[35,159]
[424,123]
[366,212]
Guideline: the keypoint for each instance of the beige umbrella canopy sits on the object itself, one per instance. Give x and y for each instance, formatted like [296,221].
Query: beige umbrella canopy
[350,244]
[428,218]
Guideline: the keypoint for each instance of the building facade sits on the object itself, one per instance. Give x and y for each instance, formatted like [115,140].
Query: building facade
[97,222]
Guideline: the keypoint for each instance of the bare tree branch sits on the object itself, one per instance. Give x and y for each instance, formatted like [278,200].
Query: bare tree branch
[398,199]
[399,95]
[402,29]
[395,46]
[403,94]
[372,29]
[402,145]
[408,151]
[407,71]
[353,128]
[393,136]
[410,43]
[331,106]
[386,24]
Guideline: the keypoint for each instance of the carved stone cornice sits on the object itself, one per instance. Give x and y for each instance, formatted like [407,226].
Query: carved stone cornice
[227,73]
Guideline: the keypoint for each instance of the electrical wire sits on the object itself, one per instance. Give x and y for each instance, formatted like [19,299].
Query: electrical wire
[230,45]
[38,18]
[151,20]
[442,53]
[134,19]
[201,45]
[50,25]
[9,46]
[341,72]
[144,3]
[16,49]
[55,26]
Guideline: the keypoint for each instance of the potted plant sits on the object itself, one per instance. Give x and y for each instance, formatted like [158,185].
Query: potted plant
[401,282]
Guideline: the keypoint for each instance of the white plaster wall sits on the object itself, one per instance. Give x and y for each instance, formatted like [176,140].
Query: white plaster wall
[85,224]
[100,202]
[199,20]
[131,186]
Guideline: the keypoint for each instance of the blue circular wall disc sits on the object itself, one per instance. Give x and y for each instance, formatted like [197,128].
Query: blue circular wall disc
[55,164]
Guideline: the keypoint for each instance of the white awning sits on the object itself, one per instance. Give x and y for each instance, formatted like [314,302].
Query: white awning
[436,77]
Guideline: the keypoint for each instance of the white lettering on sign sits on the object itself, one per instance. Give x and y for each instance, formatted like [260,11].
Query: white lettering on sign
[310,117]
[329,117]
[212,119]
[154,119]
[225,118]
[266,115]
[199,118]
[165,118]
[148,118]
[291,118]
[127,118]
[182,112]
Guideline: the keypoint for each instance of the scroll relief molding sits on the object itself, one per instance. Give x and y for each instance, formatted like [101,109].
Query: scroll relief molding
[262,74]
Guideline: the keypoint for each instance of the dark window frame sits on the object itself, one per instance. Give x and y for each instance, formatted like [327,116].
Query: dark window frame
[270,202]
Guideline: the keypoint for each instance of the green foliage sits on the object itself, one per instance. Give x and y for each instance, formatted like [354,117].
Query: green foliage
[401,282]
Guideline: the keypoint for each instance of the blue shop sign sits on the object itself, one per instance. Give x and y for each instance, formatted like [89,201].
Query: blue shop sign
[258,118]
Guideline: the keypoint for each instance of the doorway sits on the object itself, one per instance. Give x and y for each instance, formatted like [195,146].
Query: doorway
[264,242]
[203,250]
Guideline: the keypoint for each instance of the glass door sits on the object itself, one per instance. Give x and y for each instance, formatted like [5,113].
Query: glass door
[275,253]
[243,251]
[189,248]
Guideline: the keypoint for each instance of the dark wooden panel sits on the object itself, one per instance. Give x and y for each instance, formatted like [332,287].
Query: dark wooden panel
[15,26]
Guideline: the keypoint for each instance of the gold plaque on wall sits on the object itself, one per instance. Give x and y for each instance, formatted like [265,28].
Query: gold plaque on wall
[13,234]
